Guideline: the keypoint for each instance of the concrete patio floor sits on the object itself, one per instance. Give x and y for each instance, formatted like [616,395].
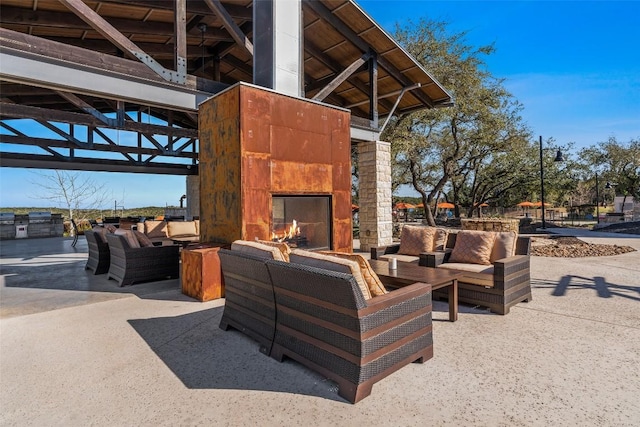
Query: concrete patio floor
[77,350]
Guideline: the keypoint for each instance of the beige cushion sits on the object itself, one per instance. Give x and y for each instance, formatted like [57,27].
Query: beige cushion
[181,228]
[143,240]
[257,249]
[328,262]
[475,274]
[129,237]
[282,247]
[473,247]
[504,246]
[370,277]
[416,240]
[155,229]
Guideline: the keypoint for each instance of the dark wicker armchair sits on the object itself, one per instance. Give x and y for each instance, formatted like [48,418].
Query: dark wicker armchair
[324,323]
[249,305]
[130,265]
[509,284]
[99,256]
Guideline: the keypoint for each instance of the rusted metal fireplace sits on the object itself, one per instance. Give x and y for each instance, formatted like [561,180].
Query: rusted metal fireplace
[302,221]
[267,159]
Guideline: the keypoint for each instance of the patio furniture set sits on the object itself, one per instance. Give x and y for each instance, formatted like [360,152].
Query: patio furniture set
[332,312]
[130,256]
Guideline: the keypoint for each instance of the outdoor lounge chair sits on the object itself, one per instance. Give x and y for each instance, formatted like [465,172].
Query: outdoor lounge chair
[249,303]
[324,323]
[99,256]
[129,265]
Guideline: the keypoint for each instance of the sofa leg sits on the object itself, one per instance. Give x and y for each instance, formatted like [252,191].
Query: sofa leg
[354,393]
[224,325]
[426,355]
[276,353]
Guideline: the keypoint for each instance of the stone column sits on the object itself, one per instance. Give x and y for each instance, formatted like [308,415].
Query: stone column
[374,167]
[193,197]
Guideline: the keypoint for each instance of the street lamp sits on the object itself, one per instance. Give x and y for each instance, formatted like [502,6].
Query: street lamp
[557,159]
[597,201]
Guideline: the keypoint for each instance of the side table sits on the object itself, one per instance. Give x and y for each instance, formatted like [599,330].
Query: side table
[201,272]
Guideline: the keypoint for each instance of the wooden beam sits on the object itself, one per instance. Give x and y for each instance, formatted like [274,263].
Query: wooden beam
[42,18]
[373,86]
[333,65]
[180,44]
[109,32]
[16,111]
[230,25]
[340,78]
[193,6]
[20,160]
[322,11]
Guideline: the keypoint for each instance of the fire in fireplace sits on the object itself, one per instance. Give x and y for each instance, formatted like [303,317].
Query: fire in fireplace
[302,221]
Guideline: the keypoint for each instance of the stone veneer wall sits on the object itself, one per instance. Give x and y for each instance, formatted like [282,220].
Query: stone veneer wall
[491,224]
[374,167]
[50,228]
[193,196]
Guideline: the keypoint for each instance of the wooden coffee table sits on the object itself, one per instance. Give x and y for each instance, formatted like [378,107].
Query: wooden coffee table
[409,273]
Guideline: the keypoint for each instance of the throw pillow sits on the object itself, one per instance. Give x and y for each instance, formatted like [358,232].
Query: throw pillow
[155,229]
[328,262]
[416,240]
[370,277]
[129,237]
[282,247]
[473,247]
[257,249]
[143,240]
[504,246]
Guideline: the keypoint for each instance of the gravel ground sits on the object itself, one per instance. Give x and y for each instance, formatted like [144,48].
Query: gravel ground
[571,247]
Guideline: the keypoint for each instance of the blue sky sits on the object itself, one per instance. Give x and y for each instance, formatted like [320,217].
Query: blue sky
[574,65]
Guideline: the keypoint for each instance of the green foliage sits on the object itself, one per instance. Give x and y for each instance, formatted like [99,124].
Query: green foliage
[149,211]
[474,152]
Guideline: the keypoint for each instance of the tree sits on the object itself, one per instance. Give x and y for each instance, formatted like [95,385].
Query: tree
[78,193]
[461,148]
[616,162]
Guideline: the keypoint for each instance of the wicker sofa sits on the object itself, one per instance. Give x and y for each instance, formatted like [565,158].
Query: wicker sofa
[129,264]
[321,319]
[163,232]
[498,285]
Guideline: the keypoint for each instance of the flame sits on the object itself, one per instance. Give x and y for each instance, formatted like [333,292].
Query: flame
[285,234]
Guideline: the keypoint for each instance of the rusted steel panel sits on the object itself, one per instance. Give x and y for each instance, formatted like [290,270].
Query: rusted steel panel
[257,171]
[290,177]
[256,120]
[220,169]
[298,145]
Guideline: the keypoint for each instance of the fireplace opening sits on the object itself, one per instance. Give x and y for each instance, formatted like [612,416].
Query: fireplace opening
[302,221]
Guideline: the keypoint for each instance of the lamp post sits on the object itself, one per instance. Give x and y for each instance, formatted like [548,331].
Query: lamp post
[597,201]
[557,159]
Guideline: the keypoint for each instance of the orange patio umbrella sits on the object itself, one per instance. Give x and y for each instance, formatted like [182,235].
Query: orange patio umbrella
[539,204]
[525,204]
[354,207]
[483,205]
[446,205]
[404,206]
